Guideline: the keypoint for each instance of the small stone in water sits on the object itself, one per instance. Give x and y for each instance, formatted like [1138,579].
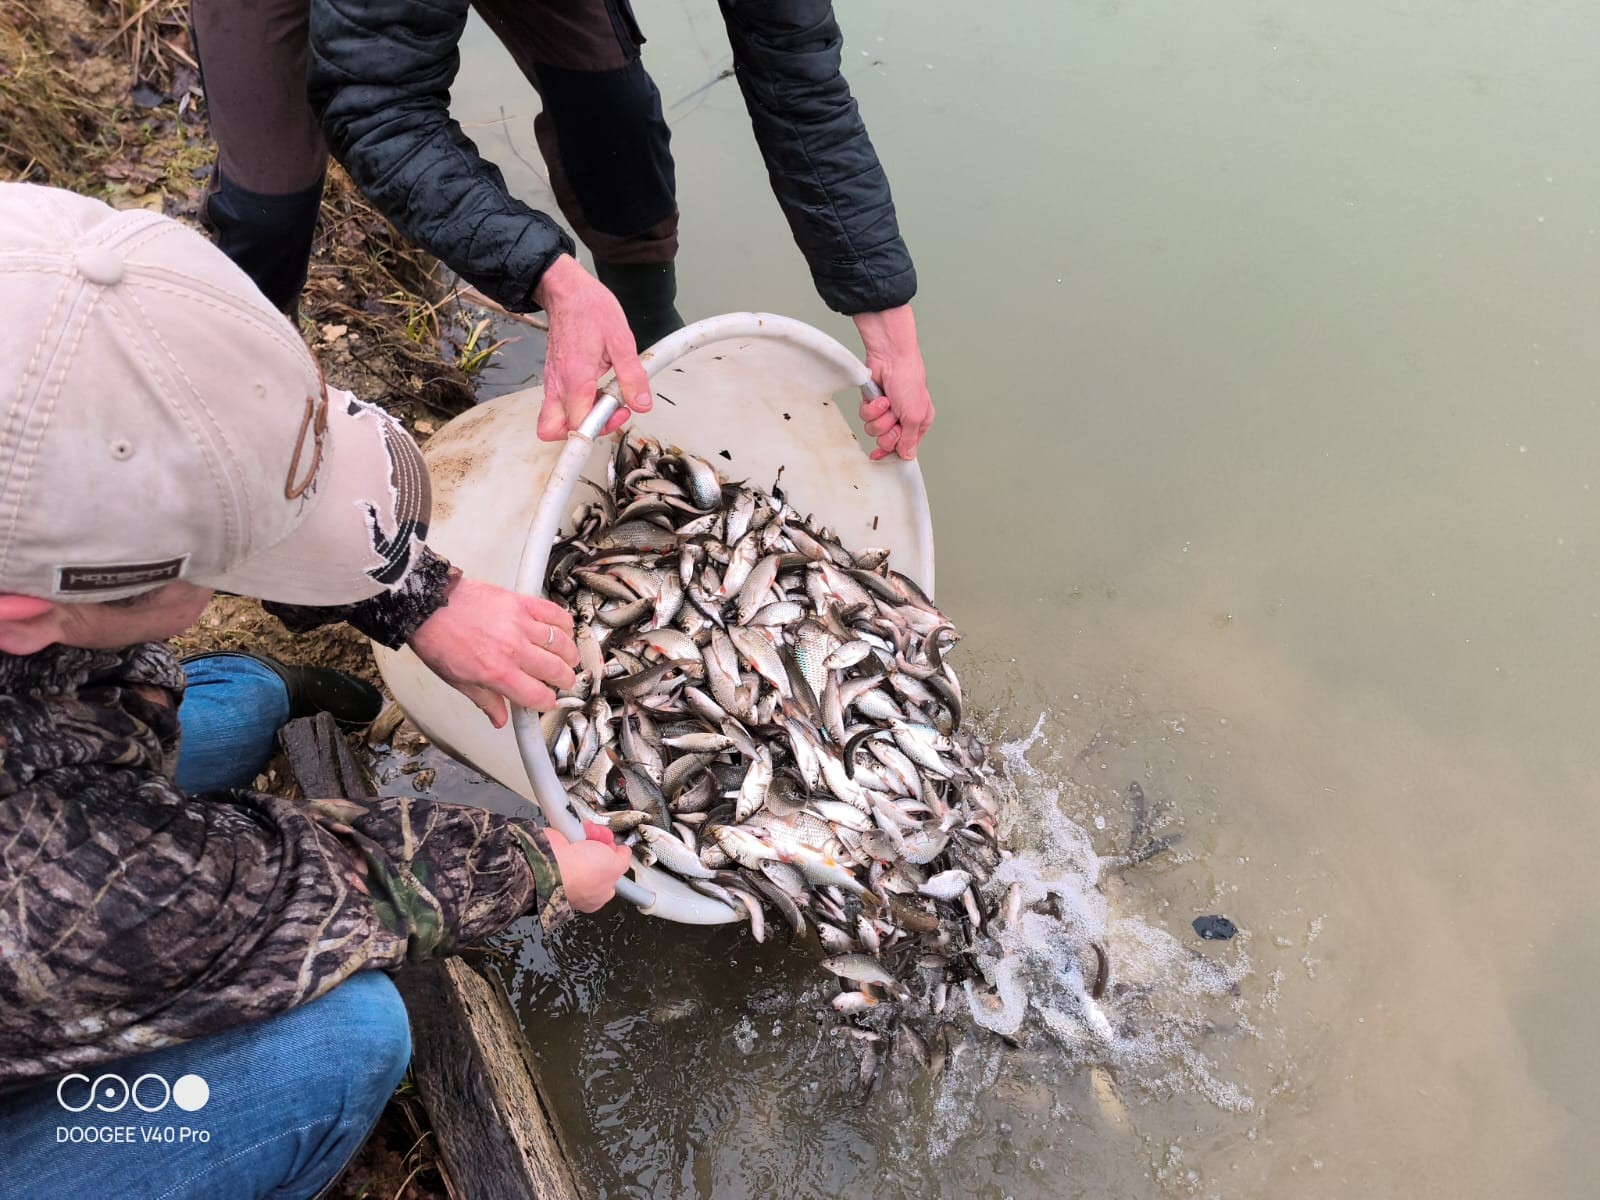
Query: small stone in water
[1214,929]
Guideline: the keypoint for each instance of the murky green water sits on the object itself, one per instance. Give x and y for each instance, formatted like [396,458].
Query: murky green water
[1264,336]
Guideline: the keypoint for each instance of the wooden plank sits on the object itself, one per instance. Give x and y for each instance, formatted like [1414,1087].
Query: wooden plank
[320,759]
[470,1061]
[477,1081]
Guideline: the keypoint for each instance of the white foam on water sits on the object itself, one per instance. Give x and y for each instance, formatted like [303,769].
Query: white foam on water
[969,1072]
[1148,1025]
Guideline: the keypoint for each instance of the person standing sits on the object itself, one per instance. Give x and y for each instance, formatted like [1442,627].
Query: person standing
[379,75]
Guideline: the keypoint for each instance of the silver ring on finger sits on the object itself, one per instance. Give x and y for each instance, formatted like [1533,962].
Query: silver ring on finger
[551,640]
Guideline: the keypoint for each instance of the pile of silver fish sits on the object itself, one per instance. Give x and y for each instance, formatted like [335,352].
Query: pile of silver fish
[772,717]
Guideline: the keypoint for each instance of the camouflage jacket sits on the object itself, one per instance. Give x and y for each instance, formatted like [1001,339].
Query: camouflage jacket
[133,916]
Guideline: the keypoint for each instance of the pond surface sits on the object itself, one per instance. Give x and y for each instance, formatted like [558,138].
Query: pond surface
[1264,338]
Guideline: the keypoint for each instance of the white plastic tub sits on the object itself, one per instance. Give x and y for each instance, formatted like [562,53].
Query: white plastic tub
[756,395]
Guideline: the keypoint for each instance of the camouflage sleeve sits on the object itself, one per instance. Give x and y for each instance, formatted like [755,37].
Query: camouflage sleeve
[389,618]
[230,907]
[437,876]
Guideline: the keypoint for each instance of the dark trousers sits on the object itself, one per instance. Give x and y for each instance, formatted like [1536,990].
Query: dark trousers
[600,115]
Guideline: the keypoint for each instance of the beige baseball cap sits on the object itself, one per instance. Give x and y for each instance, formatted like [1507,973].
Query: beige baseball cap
[161,421]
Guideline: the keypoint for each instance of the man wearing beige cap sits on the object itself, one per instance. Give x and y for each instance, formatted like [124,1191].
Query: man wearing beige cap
[192,997]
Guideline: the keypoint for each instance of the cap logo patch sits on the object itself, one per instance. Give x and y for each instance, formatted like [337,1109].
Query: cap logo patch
[116,576]
[398,524]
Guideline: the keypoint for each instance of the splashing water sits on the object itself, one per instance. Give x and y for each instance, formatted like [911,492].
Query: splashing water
[720,1070]
[1107,991]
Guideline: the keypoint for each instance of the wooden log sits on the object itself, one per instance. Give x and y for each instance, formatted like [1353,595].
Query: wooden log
[320,759]
[471,1063]
[478,1083]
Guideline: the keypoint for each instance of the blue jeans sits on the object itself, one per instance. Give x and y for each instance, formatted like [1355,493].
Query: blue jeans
[275,1108]
[232,709]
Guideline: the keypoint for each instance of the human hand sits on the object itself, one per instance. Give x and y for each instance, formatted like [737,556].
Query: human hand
[590,868]
[904,412]
[491,644]
[588,336]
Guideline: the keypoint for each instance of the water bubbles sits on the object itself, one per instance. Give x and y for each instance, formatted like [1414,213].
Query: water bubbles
[1060,975]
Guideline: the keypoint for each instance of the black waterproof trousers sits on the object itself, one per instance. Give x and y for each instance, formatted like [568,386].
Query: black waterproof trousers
[601,131]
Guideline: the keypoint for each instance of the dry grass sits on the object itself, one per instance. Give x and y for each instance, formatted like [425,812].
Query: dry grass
[50,131]
[102,96]
[368,280]
[152,37]
[400,1161]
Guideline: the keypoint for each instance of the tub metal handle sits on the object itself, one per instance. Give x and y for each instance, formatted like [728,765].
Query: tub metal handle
[676,904]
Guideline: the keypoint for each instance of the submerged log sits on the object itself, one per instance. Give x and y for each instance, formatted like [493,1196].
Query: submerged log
[470,1061]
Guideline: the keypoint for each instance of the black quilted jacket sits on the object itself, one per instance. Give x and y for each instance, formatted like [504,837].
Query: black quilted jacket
[380,79]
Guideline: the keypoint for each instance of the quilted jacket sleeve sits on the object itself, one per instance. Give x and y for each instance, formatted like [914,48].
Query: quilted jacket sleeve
[823,167]
[380,81]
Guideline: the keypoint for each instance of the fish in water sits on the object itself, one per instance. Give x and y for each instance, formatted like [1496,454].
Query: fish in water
[776,719]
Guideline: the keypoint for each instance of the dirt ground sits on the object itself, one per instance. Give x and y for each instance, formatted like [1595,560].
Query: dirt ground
[104,97]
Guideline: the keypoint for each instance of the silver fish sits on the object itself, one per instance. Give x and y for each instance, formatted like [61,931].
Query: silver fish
[703,486]
[680,772]
[922,744]
[813,645]
[740,845]
[740,515]
[780,612]
[863,968]
[753,791]
[824,870]
[753,911]
[847,655]
[722,672]
[638,535]
[701,741]
[840,813]
[784,876]
[757,587]
[848,1002]
[946,885]
[757,649]
[782,901]
[673,854]
[740,563]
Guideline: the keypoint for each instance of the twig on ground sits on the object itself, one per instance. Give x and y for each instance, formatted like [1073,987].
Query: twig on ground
[465,291]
